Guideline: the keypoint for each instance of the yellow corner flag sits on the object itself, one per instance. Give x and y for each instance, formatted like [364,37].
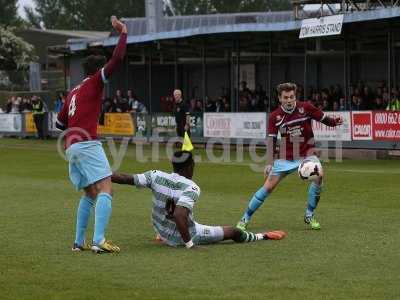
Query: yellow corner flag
[187,143]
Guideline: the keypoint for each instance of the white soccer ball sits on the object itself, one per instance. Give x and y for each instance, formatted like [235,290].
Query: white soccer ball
[310,170]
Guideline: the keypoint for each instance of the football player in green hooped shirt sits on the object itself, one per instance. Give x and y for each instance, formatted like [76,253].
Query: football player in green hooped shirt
[174,196]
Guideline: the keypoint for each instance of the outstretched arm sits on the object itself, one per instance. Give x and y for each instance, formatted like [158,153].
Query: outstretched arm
[318,115]
[119,51]
[121,178]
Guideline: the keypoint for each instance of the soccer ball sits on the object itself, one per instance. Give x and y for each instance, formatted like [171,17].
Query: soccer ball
[310,170]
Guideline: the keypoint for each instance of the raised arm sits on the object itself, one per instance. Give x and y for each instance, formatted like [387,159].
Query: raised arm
[121,178]
[119,51]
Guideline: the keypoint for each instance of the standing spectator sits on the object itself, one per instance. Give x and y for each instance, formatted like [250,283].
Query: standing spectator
[58,104]
[38,116]
[14,105]
[9,105]
[182,115]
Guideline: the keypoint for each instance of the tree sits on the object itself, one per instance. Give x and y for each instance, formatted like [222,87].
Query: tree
[15,53]
[81,14]
[8,12]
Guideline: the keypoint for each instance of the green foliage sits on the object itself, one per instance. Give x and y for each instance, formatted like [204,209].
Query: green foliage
[15,53]
[8,12]
[80,14]
[354,256]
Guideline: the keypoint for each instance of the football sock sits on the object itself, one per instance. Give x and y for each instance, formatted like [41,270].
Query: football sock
[255,203]
[82,219]
[102,215]
[314,192]
[247,237]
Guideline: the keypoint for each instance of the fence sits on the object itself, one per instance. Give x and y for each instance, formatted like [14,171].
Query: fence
[361,129]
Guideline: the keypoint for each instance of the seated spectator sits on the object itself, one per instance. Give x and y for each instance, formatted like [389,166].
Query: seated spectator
[106,107]
[253,103]
[378,104]
[199,106]
[243,103]
[342,104]
[325,105]
[122,102]
[394,104]
[210,105]
[192,105]
[134,104]
[335,106]
[25,106]
[138,107]
[356,103]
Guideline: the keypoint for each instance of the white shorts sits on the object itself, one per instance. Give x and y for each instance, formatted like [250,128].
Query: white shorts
[208,234]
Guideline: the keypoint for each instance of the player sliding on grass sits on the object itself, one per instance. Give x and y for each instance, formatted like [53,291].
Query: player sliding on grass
[88,165]
[293,121]
[174,196]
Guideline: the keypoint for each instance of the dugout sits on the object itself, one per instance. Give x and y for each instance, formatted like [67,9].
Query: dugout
[209,55]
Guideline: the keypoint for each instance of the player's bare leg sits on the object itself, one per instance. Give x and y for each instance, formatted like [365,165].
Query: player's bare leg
[240,236]
[314,193]
[102,216]
[85,207]
[258,199]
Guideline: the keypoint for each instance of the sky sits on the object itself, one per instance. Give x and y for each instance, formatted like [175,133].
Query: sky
[21,4]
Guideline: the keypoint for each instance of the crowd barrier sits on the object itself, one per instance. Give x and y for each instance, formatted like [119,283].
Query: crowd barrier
[365,129]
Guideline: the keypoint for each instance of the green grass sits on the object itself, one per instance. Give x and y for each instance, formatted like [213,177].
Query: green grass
[355,255]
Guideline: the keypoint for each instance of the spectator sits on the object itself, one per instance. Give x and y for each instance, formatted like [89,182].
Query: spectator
[244,90]
[9,105]
[107,104]
[134,104]
[192,105]
[368,97]
[122,103]
[14,105]
[58,104]
[38,116]
[182,115]
[394,104]
[25,106]
[210,105]
[243,103]
[335,106]
[342,104]
[219,107]
[199,106]
[378,104]
[356,103]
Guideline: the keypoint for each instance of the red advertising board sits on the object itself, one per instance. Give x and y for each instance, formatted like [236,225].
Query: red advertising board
[386,126]
[362,125]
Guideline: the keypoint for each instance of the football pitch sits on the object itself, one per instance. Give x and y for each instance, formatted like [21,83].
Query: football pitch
[354,256]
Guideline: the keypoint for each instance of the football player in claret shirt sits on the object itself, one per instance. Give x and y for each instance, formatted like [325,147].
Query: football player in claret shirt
[292,119]
[88,165]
